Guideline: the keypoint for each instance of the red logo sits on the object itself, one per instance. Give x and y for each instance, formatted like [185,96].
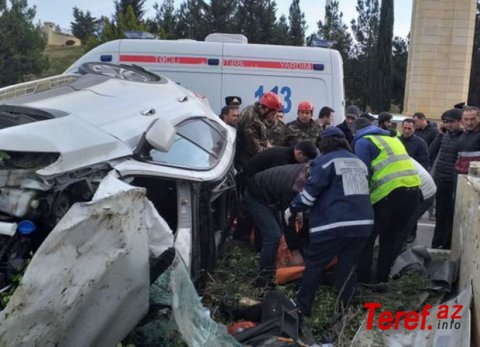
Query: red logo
[411,320]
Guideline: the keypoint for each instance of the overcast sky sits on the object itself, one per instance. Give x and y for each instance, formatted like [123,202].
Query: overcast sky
[60,11]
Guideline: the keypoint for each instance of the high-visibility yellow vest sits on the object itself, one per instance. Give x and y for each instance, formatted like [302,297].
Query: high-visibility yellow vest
[391,169]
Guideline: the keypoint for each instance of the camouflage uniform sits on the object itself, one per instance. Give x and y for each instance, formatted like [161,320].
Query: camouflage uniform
[296,131]
[252,134]
[276,132]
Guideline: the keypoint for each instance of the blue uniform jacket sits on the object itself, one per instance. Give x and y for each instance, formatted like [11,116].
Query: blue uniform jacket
[338,197]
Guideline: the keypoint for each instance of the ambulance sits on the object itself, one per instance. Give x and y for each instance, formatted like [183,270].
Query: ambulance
[227,65]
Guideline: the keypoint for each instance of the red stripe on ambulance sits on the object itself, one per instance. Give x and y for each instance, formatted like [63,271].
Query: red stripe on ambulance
[263,64]
[162,59]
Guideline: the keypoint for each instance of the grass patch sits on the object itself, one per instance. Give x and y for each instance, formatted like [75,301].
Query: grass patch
[235,276]
[60,58]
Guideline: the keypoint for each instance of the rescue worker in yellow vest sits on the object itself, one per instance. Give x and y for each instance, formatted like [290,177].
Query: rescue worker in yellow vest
[394,194]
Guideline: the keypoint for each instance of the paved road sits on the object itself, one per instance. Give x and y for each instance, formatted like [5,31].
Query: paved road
[425,231]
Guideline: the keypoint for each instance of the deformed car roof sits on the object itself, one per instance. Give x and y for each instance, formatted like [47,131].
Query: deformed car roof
[96,118]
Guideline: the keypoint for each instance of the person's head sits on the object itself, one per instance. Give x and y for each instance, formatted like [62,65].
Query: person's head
[326,116]
[270,104]
[471,118]
[230,115]
[234,101]
[368,117]
[451,119]
[360,123]
[408,128]
[420,120]
[280,116]
[305,112]
[351,114]
[385,120]
[333,139]
[305,150]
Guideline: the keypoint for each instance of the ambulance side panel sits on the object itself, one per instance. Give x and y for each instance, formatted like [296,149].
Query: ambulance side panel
[217,70]
[294,73]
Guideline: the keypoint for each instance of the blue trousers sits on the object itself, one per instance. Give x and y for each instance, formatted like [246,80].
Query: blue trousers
[348,250]
[267,221]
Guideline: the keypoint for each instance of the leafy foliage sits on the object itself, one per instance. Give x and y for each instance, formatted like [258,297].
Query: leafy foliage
[83,26]
[21,43]
[297,24]
[335,30]
[382,80]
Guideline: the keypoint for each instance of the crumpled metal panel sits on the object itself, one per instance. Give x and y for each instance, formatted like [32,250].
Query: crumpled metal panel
[88,283]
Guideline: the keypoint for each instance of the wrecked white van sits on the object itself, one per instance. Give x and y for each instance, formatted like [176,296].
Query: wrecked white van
[60,136]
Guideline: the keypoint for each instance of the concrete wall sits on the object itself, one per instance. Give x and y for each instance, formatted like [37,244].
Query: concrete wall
[466,242]
[56,38]
[440,53]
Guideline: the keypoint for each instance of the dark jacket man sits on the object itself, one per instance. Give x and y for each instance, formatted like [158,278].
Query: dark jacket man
[276,156]
[417,148]
[428,133]
[444,176]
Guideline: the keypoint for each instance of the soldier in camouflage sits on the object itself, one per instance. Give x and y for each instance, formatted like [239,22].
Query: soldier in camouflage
[304,127]
[276,130]
[253,127]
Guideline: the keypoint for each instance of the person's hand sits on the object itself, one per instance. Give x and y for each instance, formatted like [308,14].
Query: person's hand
[287,214]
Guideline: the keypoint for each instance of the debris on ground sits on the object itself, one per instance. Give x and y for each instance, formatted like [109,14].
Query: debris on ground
[235,275]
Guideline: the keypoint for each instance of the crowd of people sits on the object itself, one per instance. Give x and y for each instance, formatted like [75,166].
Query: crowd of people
[351,184]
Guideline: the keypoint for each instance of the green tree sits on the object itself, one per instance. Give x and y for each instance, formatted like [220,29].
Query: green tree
[334,30]
[191,20]
[281,35]
[256,19]
[400,58]
[298,24]
[116,30]
[361,62]
[221,15]
[382,78]
[21,43]
[121,7]
[83,25]
[165,19]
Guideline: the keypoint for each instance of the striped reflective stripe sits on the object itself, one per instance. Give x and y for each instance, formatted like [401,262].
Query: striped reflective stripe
[307,199]
[469,154]
[393,176]
[342,224]
[384,144]
[392,159]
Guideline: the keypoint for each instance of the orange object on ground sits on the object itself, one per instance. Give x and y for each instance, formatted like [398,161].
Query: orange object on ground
[240,326]
[290,264]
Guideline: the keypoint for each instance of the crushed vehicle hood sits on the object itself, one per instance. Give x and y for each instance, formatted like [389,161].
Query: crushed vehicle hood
[96,119]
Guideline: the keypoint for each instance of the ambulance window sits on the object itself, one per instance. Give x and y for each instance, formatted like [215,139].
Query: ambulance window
[198,145]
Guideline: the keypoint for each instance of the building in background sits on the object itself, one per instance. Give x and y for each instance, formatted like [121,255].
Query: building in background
[59,38]
[440,54]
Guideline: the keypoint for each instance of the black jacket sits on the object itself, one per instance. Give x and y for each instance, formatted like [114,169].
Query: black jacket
[429,133]
[269,158]
[346,130]
[417,148]
[277,186]
[444,168]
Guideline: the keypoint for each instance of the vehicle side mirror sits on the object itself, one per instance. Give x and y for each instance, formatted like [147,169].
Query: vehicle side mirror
[161,135]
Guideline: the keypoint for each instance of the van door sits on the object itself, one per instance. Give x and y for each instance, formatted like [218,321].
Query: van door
[294,73]
[194,65]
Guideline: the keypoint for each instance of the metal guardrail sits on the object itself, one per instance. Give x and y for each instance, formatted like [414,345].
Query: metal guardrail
[37,86]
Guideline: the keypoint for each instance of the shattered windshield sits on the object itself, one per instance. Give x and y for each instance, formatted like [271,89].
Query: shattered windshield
[198,145]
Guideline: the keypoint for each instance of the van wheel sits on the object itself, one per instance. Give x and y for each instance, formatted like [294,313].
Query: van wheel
[123,72]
